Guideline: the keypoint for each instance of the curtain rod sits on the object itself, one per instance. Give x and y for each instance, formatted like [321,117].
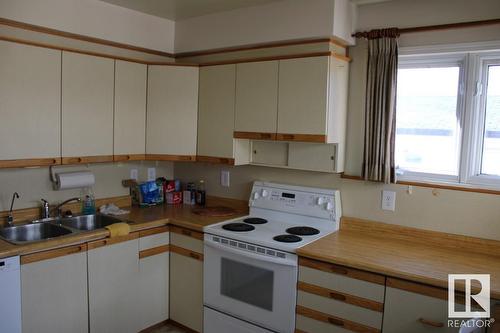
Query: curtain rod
[364,34]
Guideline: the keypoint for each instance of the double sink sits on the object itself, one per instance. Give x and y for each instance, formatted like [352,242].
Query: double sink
[55,227]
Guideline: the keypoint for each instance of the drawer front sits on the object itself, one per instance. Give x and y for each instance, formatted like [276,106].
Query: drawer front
[186,242]
[342,283]
[309,325]
[340,309]
[155,240]
[410,312]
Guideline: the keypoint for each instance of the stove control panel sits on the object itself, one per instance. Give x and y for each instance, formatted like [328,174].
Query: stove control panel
[315,202]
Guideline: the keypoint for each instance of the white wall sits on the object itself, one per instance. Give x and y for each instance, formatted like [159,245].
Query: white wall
[94,18]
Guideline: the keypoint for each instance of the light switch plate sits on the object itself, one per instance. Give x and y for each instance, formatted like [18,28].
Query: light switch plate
[134,174]
[389,200]
[224,178]
[151,174]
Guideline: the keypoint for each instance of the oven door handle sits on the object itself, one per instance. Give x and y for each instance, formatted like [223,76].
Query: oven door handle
[253,255]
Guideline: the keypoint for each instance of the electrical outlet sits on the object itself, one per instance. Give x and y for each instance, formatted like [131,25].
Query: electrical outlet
[134,174]
[151,174]
[224,178]
[389,200]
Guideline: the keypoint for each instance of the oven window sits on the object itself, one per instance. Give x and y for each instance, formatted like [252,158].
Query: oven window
[246,283]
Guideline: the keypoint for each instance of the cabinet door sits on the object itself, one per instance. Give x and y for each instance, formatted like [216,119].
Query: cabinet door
[216,111]
[186,278]
[256,97]
[87,107]
[172,111]
[30,97]
[312,156]
[303,96]
[153,278]
[54,291]
[130,111]
[113,273]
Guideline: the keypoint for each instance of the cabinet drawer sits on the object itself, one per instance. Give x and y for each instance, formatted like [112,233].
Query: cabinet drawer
[345,280]
[340,309]
[154,240]
[186,242]
[309,325]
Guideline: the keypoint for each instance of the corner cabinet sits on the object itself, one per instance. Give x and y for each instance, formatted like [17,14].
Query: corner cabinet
[186,278]
[216,116]
[87,108]
[172,112]
[30,95]
[54,291]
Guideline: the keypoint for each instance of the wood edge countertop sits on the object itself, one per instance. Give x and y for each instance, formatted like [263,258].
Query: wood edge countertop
[139,219]
[420,256]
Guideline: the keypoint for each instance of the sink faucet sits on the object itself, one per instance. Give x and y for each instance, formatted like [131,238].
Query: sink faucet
[58,207]
[10,217]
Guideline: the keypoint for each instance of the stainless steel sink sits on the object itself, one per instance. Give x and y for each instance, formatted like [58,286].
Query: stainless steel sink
[88,222]
[27,233]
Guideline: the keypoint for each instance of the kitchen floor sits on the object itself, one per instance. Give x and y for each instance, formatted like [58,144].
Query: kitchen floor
[169,328]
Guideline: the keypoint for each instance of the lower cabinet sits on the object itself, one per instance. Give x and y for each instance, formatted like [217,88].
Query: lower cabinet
[186,278]
[54,291]
[113,280]
[153,276]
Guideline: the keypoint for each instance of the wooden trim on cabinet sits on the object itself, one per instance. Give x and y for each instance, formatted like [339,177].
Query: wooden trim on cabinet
[154,231]
[186,252]
[28,163]
[87,159]
[51,254]
[130,157]
[155,326]
[418,288]
[154,251]
[299,331]
[186,232]
[272,58]
[318,138]
[60,33]
[254,135]
[179,325]
[342,297]
[342,270]
[336,321]
[174,158]
[216,160]
[110,241]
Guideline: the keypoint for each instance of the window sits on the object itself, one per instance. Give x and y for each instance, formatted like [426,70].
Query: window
[448,118]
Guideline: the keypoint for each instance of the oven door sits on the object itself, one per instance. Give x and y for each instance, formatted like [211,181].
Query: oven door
[257,288]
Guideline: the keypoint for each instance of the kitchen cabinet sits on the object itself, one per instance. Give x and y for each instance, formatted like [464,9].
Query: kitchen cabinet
[113,284]
[54,291]
[334,298]
[153,276]
[172,112]
[87,108]
[256,104]
[130,111]
[186,278]
[30,95]
[216,118]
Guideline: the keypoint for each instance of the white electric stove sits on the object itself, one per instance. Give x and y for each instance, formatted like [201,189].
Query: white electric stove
[250,266]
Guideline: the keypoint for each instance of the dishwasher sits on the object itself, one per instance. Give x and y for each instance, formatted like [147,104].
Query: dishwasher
[10,295]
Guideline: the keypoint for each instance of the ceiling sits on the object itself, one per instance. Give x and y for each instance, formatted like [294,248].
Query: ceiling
[182,9]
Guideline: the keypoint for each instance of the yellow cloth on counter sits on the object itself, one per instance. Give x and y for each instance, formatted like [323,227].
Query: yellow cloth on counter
[118,229]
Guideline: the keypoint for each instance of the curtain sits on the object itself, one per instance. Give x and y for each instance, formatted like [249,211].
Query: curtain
[380,106]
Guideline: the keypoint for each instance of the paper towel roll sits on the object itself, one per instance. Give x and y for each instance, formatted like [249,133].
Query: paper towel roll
[78,179]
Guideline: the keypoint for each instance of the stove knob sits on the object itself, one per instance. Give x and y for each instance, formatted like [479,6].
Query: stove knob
[329,206]
[320,201]
[256,195]
[264,193]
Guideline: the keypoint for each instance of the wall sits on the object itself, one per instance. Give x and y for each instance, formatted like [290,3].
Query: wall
[94,18]
[32,184]
[277,21]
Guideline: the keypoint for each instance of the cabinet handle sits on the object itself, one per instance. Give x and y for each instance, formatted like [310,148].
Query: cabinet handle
[430,322]
[337,296]
[194,255]
[338,270]
[186,232]
[335,321]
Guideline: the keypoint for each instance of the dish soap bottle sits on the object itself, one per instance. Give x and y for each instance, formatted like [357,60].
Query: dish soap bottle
[88,204]
[201,194]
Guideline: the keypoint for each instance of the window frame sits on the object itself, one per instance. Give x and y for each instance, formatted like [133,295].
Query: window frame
[471,109]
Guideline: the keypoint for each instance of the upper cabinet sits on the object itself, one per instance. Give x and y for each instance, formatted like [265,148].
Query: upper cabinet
[30,95]
[130,111]
[256,100]
[216,117]
[172,112]
[87,108]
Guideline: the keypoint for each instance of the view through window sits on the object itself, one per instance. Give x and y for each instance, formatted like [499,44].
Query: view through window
[491,140]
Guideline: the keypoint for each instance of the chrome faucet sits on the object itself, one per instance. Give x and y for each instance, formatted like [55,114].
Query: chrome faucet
[45,209]
[58,207]
[10,217]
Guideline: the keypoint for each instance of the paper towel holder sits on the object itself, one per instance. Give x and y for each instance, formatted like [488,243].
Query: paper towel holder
[53,177]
